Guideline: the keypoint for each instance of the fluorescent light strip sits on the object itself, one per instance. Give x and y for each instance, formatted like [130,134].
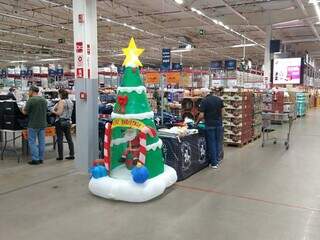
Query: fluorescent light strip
[316,8]
[27,35]
[179,1]
[56,4]
[181,50]
[32,20]
[50,59]
[225,26]
[139,29]
[36,46]
[244,45]
[19,61]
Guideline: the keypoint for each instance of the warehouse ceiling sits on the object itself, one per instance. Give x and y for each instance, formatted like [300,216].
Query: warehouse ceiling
[30,30]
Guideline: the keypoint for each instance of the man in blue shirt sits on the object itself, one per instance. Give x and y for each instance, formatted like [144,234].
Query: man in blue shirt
[211,109]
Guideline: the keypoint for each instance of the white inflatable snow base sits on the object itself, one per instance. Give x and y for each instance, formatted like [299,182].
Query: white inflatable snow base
[120,185]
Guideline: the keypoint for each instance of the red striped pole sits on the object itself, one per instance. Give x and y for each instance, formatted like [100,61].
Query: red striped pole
[107,142]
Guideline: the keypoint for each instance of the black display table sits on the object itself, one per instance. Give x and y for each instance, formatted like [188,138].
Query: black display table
[187,155]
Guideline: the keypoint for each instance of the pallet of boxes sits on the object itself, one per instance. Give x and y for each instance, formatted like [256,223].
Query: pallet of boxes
[257,115]
[238,118]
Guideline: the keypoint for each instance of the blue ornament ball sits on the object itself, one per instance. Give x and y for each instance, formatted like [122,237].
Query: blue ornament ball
[140,174]
[99,171]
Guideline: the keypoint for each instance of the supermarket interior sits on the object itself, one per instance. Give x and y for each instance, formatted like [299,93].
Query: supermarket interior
[200,116]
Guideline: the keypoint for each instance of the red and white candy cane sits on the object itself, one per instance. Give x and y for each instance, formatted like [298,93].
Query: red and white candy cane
[107,142]
[143,142]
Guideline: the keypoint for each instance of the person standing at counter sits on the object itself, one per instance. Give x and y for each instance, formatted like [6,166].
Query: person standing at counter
[63,111]
[36,109]
[11,93]
[211,110]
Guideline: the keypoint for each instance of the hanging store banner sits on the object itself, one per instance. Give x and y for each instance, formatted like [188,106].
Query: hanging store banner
[29,73]
[60,72]
[216,65]
[52,73]
[230,64]
[176,66]
[152,78]
[166,58]
[23,73]
[185,79]
[173,77]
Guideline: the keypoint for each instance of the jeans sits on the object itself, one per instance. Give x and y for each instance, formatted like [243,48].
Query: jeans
[214,143]
[66,130]
[37,151]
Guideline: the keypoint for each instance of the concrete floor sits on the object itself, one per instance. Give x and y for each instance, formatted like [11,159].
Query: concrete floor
[259,194]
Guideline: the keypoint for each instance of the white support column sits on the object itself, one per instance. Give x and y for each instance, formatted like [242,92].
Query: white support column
[86,84]
[267,56]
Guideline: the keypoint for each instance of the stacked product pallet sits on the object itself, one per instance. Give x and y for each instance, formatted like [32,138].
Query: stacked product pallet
[238,118]
[318,101]
[257,115]
[301,104]
[273,102]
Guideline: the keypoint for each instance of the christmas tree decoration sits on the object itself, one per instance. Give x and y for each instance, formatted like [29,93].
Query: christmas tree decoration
[132,53]
[132,148]
[140,173]
[98,171]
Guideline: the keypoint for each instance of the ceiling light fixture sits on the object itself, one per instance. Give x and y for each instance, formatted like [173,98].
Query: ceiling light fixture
[180,50]
[227,27]
[244,45]
[19,61]
[316,7]
[179,1]
[50,59]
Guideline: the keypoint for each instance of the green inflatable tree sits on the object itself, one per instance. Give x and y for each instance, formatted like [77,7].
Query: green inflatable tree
[133,167]
[134,139]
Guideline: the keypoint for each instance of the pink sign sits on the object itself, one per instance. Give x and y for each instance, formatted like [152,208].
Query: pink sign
[293,73]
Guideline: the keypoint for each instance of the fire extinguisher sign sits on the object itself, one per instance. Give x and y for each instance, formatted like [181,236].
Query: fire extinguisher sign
[79,47]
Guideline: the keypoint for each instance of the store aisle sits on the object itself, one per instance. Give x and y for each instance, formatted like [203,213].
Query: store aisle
[259,193]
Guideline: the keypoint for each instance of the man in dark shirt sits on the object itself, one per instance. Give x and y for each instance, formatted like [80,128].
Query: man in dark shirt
[36,109]
[11,93]
[211,109]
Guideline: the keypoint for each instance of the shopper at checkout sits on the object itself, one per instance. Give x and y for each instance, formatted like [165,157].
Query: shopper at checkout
[11,93]
[63,110]
[211,110]
[36,109]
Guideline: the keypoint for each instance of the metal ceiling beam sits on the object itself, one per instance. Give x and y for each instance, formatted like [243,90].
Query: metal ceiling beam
[240,15]
[305,13]
[33,21]
[301,40]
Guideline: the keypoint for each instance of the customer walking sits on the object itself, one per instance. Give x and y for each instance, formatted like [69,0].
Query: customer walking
[63,111]
[211,109]
[36,109]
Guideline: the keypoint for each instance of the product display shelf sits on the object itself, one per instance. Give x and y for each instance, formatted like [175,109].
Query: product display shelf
[301,104]
[238,119]
[318,101]
[273,102]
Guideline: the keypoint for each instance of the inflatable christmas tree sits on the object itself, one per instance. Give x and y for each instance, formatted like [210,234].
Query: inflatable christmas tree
[133,168]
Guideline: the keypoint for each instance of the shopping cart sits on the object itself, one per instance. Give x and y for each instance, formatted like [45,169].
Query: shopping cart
[276,122]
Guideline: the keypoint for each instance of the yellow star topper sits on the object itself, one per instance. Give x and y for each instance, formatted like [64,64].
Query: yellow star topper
[132,53]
